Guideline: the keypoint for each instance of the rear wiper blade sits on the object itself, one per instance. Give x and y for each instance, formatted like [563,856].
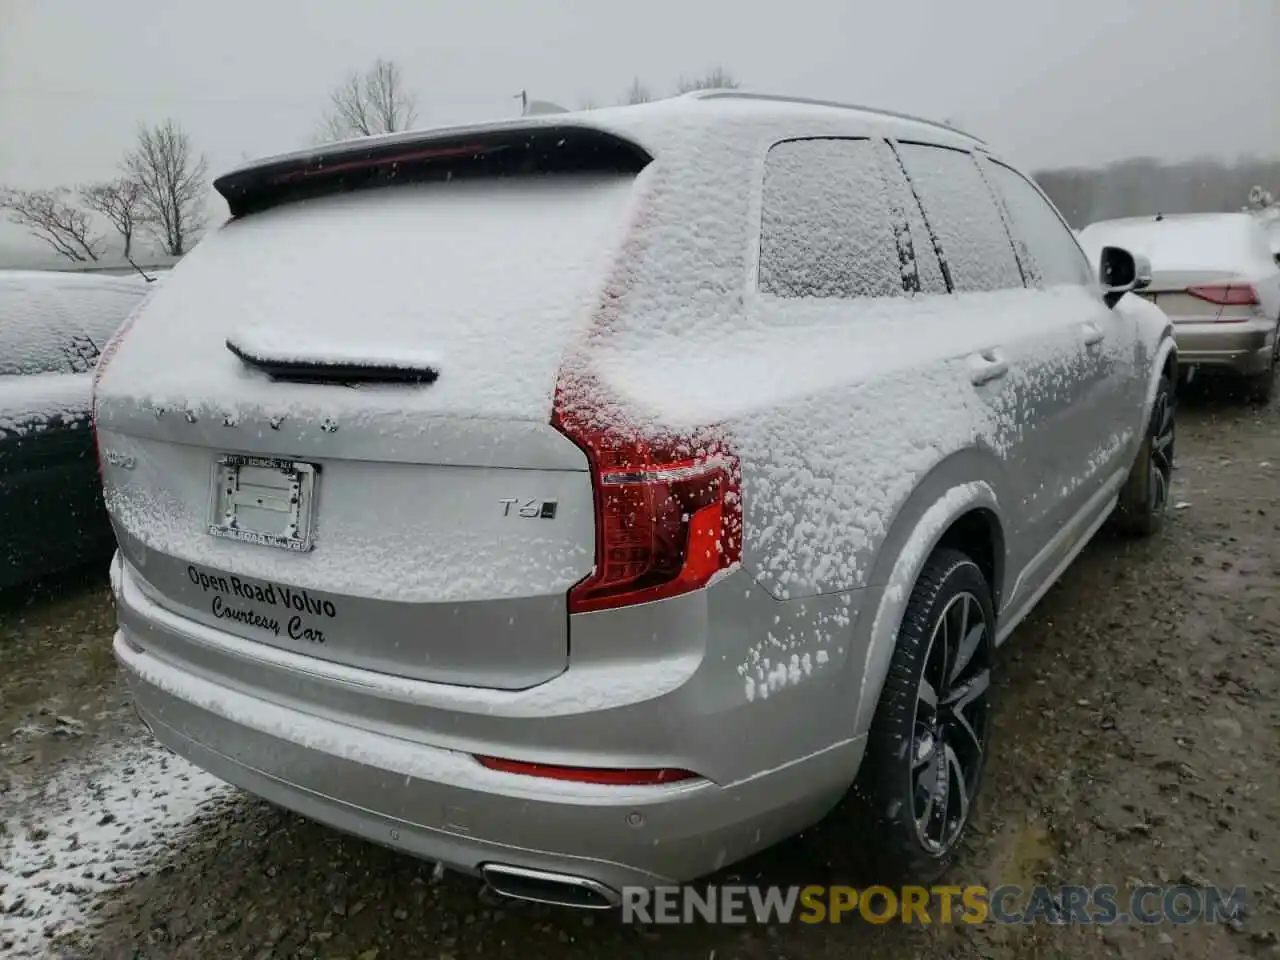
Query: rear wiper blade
[320,370]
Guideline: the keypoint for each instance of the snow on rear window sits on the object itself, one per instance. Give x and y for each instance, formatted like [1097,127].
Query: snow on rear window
[1221,242]
[825,228]
[489,277]
[964,216]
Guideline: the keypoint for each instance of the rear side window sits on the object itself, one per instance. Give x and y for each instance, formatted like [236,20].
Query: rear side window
[31,333]
[1055,257]
[963,216]
[920,255]
[826,225]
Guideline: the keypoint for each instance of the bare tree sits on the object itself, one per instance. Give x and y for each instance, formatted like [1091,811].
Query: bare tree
[51,217]
[172,183]
[369,103]
[637,93]
[120,201]
[717,78]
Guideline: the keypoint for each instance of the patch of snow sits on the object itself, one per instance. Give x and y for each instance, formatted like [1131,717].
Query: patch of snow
[91,829]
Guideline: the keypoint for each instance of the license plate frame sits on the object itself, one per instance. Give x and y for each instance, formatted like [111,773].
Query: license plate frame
[268,501]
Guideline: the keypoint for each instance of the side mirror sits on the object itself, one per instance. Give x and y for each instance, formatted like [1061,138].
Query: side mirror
[1118,274]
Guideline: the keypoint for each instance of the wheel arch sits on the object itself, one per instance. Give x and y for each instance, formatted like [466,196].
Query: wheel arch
[1165,363]
[959,505]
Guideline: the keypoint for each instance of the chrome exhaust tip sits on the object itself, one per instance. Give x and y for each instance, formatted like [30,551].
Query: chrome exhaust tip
[542,886]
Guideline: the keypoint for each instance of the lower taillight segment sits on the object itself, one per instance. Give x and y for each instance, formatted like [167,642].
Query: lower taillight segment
[608,776]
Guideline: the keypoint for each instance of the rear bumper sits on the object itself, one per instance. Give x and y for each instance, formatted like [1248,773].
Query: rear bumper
[443,805]
[1242,348]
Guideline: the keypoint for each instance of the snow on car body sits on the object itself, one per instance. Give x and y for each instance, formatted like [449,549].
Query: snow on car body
[607,449]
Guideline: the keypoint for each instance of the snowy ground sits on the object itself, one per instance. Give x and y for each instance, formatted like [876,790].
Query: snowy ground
[91,828]
[1137,739]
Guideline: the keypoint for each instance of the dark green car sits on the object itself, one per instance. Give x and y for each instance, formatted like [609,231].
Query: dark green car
[52,328]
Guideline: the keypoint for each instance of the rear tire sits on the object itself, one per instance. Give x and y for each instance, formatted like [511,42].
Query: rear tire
[929,739]
[1145,495]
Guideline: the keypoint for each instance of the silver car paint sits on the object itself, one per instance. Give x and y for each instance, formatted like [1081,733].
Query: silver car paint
[375,733]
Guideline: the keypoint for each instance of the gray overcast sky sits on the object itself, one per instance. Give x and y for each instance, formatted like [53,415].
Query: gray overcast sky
[1048,82]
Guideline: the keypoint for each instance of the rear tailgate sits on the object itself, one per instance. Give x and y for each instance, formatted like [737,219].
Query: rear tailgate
[426,526]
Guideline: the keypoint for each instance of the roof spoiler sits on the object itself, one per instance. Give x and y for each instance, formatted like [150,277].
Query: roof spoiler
[497,150]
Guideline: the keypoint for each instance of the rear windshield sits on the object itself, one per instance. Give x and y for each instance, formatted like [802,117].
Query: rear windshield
[490,277]
[1232,243]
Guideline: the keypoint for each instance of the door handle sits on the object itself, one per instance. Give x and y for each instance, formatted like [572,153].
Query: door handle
[1093,334]
[987,366]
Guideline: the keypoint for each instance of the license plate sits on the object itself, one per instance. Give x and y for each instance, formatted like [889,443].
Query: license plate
[263,500]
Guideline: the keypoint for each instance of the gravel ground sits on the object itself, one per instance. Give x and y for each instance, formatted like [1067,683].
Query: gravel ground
[1137,740]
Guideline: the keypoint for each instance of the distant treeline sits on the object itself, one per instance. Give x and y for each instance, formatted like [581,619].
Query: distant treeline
[1141,186]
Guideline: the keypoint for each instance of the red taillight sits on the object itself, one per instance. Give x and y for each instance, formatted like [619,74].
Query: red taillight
[1226,294]
[668,513]
[602,775]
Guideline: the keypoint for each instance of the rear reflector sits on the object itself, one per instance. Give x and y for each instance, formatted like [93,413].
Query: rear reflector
[602,775]
[668,513]
[1226,294]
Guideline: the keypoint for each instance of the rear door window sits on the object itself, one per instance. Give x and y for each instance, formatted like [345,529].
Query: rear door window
[963,216]
[921,246]
[827,227]
[1054,256]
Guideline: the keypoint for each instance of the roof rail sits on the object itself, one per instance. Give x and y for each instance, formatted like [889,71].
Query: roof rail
[808,101]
